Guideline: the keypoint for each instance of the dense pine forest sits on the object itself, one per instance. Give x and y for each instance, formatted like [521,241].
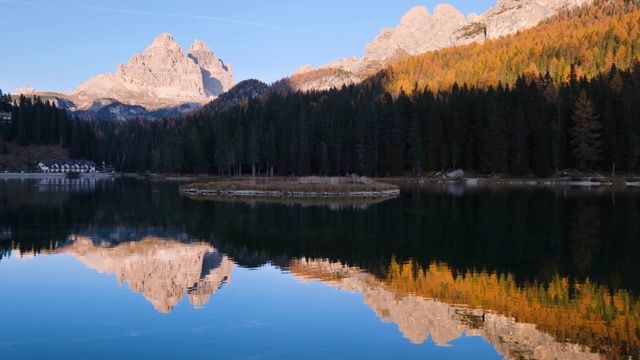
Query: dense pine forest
[35,122]
[556,107]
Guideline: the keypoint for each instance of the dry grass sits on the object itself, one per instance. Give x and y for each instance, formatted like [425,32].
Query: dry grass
[25,158]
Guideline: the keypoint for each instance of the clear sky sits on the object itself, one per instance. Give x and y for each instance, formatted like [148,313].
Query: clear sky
[57,45]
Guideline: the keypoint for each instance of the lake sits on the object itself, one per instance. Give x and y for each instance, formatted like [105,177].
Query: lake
[133,269]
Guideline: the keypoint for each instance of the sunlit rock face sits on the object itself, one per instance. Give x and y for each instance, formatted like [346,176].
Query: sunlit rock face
[419,32]
[216,75]
[25,90]
[159,77]
[418,317]
[161,269]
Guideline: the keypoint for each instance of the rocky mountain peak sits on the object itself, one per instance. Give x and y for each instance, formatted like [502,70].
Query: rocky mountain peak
[162,76]
[199,45]
[216,75]
[446,12]
[417,32]
[416,14]
[164,40]
[25,90]
[163,46]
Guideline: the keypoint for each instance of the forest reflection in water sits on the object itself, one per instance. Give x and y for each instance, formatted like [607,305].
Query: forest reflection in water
[556,320]
[538,273]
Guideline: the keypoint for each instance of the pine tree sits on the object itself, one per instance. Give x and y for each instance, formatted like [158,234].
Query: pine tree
[634,152]
[585,134]
[418,155]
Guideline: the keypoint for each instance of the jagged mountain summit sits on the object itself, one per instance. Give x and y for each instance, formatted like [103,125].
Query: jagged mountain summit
[161,77]
[216,75]
[419,32]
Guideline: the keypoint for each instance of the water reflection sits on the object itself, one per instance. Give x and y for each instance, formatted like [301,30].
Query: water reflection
[333,203]
[584,235]
[67,185]
[161,269]
[537,272]
[530,322]
[558,320]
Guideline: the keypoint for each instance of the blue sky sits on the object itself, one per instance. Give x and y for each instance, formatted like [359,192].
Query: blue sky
[57,45]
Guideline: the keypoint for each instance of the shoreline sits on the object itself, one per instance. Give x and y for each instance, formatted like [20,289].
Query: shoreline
[586,181]
[53,176]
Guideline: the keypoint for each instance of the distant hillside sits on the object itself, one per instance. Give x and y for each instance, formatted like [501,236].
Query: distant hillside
[593,38]
[243,91]
[419,31]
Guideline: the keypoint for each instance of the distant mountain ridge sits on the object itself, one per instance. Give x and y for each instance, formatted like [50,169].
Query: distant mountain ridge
[419,32]
[162,81]
[161,76]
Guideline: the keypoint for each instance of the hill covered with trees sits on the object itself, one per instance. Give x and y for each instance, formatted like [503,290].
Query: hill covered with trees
[587,40]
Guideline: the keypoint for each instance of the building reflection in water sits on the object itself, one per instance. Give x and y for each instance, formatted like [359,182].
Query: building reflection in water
[70,185]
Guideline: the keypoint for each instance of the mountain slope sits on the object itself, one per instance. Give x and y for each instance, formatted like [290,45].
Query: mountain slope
[600,36]
[419,32]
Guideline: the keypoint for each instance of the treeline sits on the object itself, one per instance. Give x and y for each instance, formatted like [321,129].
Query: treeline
[5,102]
[34,121]
[588,39]
[533,127]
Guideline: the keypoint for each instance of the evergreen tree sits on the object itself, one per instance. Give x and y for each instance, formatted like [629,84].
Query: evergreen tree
[634,152]
[519,143]
[585,134]
[418,156]
[556,139]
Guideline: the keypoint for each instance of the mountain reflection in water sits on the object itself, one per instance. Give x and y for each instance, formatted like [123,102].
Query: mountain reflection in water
[538,273]
[161,269]
[421,302]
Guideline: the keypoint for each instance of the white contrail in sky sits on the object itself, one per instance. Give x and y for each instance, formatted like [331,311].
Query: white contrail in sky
[146,13]
[184,16]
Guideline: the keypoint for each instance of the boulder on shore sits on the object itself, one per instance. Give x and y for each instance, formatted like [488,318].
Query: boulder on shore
[456,174]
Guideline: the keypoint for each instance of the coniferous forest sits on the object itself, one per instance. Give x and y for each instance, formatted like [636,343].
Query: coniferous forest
[569,117]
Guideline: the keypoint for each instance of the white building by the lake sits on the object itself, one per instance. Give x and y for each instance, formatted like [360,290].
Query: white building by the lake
[67,166]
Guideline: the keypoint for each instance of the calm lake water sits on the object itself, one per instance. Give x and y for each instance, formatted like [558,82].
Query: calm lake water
[132,269]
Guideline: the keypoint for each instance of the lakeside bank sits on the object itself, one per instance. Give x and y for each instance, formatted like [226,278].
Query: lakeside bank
[53,175]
